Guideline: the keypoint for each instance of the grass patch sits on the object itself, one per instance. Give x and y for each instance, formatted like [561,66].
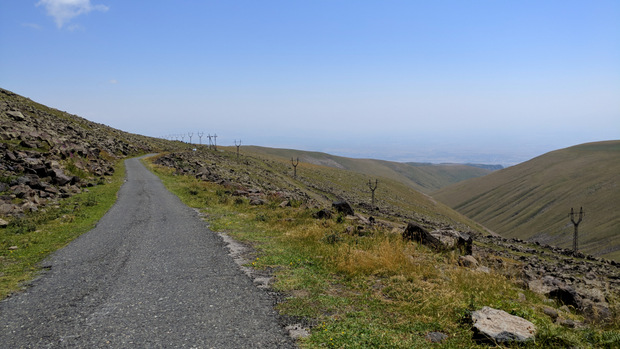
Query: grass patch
[28,240]
[370,291]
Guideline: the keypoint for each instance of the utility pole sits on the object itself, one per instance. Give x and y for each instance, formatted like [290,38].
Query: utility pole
[210,144]
[237,145]
[295,167]
[183,137]
[190,134]
[576,225]
[372,189]
[215,141]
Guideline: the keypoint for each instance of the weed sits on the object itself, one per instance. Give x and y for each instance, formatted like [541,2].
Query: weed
[332,238]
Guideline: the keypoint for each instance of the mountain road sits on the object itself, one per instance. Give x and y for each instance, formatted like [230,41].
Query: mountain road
[149,275]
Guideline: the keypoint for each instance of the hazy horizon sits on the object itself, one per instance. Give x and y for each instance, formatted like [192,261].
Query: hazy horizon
[481,81]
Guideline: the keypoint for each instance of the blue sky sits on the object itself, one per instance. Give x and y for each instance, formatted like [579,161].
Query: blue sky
[479,81]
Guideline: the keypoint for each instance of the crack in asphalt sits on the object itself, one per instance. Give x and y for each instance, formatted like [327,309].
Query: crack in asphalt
[150,274]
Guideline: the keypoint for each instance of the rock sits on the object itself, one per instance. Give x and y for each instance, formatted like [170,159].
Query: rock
[361,219]
[468,261]
[257,201]
[323,214]
[566,295]
[498,326]
[60,178]
[16,115]
[413,232]
[28,144]
[3,223]
[483,269]
[440,240]
[285,203]
[343,207]
[566,323]
[13,248]
[552,313]
[595,312]
[435,337]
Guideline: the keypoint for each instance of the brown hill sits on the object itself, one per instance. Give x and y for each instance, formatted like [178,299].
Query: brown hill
[532,200]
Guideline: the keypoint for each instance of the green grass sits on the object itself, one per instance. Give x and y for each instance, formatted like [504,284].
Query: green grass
[371,291]
[38,234]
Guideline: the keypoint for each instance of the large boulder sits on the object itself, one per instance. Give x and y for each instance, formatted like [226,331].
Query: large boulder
[440,240]
[343,207]
[498,326]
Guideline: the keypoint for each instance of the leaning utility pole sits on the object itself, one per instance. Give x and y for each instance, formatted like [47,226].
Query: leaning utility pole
[372,189]
[237,145]
[295,167]
[576,224]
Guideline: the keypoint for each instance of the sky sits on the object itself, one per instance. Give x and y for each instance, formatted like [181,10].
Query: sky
[432,81]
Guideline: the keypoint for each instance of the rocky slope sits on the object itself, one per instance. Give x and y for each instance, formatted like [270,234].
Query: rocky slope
[46,154]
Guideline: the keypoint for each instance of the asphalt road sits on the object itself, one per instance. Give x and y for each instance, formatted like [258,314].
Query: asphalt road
[150,275]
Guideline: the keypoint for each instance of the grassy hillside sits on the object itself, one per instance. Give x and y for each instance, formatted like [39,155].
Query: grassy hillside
[357,284]
[422,177]
[532,200]
[322,185]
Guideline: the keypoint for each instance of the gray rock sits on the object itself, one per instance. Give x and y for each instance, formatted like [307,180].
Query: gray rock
[440,240]
[3,223]
[468,261]
[435,337]
[60,178]
[16,115]
[498,326]
[552,313]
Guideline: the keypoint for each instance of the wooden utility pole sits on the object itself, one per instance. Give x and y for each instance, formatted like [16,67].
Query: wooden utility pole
[576,225]
[372,189]
[295,167]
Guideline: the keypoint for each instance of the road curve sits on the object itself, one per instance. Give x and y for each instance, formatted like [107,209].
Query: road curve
[150,275]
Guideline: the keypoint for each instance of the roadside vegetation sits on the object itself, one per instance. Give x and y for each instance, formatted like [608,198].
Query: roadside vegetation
[369,288]
[26,241]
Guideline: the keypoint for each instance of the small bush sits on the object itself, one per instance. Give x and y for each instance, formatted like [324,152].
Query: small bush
[332,238]
[22,225]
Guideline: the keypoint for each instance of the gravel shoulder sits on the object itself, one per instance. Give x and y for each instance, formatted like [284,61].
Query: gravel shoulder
[151,274]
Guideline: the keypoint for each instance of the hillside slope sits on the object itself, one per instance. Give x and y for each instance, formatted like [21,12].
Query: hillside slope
[422,177]
[47,154]
[532,200]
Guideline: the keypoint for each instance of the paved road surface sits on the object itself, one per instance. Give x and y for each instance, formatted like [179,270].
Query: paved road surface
[150,275]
